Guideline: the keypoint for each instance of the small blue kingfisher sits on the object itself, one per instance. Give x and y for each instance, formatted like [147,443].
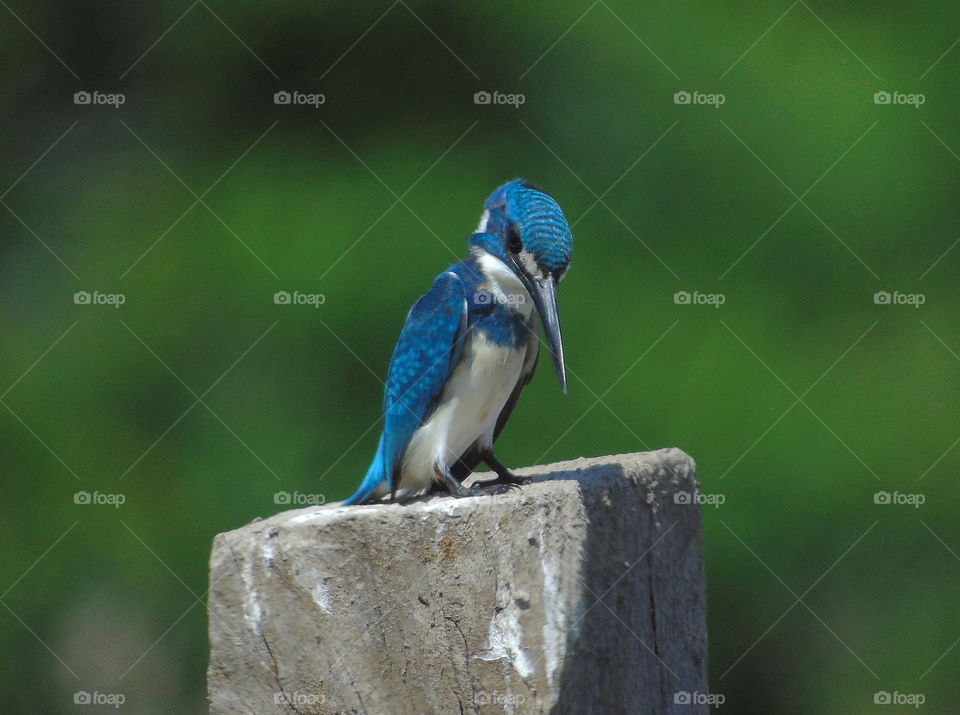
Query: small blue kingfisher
[468,349]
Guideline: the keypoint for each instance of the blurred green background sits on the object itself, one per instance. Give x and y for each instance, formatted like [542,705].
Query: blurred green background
[797,199]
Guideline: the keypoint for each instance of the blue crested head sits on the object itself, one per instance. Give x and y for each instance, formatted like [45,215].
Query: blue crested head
[528,223]
[525,228]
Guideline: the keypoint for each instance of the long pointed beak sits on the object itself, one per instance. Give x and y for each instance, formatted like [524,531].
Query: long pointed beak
[544,296]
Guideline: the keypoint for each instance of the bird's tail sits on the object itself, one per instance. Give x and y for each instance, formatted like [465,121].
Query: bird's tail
[376,476]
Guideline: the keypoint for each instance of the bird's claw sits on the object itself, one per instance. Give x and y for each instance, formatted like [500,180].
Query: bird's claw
[493,489]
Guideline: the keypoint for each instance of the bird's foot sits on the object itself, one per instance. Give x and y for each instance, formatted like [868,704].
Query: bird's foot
[504,475]
[482,489]
[503,484]
[511,479]
[494,488]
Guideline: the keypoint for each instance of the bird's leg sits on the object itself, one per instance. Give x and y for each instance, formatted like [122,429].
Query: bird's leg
[504,475]
[458,490]
[455,488]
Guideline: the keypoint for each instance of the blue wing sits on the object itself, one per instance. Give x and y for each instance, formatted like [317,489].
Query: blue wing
[429,348]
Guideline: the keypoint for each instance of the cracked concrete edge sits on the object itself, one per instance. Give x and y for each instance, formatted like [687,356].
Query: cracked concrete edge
[244,671]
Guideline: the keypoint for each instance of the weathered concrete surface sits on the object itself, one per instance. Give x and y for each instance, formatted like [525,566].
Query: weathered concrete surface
[478,605]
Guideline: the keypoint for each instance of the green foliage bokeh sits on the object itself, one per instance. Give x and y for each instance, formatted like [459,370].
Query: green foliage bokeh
[367,197]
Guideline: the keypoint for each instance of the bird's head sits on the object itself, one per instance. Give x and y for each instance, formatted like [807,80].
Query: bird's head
[526,229]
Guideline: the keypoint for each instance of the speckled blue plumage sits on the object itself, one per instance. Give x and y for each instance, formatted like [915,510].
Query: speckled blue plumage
[429,349]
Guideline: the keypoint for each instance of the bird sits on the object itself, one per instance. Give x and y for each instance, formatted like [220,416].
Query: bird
[468,348]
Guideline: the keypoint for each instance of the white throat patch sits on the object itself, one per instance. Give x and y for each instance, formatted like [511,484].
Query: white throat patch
[529,264]
[503,284]
[482,226]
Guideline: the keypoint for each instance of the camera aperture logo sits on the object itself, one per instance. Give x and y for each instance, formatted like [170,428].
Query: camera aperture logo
[299,699]
[899,98]
[482,297]
[713,700]
[682,297]
[503,700]
[715,500]
[82,297]
[299,499]
[99,499]
[900,499]
[298,98]
[282,297]
[882,297]
[114,700]
[99,98]
[695,97]
[882,697]
[495,97]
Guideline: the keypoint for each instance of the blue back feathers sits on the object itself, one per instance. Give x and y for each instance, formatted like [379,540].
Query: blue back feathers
[429,348]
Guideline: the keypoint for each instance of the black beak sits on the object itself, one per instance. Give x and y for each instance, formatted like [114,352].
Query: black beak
[543,291]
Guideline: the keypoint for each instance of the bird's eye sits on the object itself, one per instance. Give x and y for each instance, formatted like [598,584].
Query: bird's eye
[514,245]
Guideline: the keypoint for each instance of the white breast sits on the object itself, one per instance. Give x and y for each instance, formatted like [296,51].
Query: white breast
[468,411]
